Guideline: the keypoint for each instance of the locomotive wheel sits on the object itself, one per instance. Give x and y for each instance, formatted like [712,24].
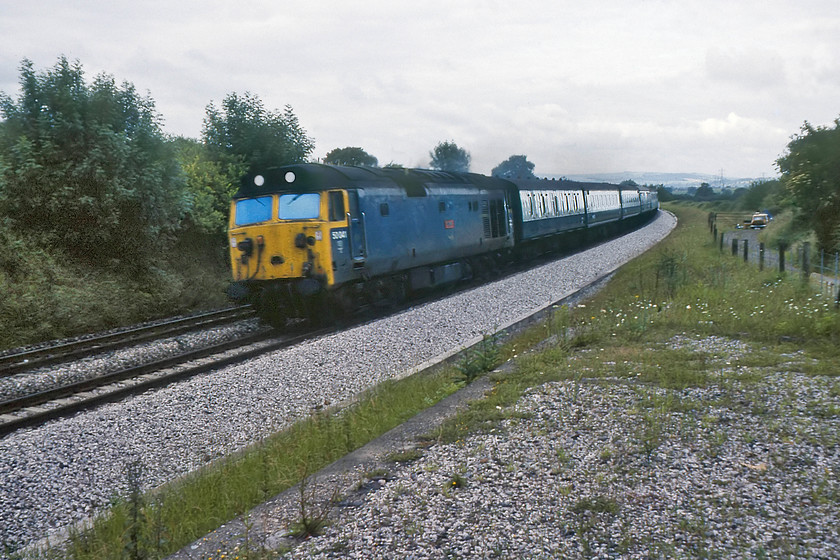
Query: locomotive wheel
[320,311]
[270,310]
[273,317]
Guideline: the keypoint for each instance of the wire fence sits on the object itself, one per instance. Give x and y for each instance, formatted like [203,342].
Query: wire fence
[821,268]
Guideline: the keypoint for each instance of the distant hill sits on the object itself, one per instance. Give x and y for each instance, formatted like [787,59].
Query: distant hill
[676,181]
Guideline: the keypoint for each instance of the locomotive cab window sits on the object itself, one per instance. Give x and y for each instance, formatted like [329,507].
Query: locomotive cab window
[336,203]
[252,211]
[305,206]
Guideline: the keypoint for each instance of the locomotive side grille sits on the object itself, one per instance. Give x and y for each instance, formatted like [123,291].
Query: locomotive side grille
[497,211]
[485,218]
[493,218]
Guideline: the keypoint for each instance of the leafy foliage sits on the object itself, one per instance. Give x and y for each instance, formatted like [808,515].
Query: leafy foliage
[760,195]
[514,167]
[87,166]
[210,183]
[351,156]
[811,174]
[704,192]
[447,156]
[244,130]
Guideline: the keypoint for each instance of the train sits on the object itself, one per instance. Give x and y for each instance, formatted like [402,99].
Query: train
[313,241]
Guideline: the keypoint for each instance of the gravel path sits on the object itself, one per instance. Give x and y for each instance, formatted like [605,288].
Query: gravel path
[746,470]
[62,472]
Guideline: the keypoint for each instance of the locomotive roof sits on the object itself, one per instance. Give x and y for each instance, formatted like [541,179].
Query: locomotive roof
[309,177]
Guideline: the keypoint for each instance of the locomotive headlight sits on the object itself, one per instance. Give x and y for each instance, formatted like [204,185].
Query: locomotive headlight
[260,241]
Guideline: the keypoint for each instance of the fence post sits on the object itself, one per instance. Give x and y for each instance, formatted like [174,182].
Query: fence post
[721,242]
[761,256]
[714,234]
[806,260]
[734,247]
[782,248]
[822,270]
[746,250]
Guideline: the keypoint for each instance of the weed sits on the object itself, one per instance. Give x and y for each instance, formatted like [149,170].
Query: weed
[312,511]
[456,481]
[479,360]
[595,505]
[405,456]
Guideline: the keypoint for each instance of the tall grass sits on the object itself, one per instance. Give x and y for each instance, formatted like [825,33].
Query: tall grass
[48,295]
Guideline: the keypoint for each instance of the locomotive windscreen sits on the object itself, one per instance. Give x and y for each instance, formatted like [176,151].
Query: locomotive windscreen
[252,211]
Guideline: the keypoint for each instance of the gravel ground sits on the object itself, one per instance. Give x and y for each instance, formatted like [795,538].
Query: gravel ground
[597,470]
[65,471]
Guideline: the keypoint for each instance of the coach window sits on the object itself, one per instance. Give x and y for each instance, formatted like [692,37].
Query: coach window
[337,212]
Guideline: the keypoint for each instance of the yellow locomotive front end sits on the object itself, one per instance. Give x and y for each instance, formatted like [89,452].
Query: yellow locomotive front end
[281,250]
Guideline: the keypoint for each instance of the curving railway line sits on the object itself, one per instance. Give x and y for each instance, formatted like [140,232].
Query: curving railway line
[17,361]
[34,407]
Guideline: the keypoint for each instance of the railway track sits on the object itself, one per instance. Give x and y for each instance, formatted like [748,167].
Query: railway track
[38,408]
[17,362]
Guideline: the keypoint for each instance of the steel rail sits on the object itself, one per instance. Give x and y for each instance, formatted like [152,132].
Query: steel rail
[14,363]
[60,410]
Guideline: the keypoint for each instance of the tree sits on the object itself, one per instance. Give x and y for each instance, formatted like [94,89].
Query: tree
[514,167]
[447,156]
[242,129]
[350,156]
[704,192]
[663,194]
[811,174]
[210,184]
[760,195]
[87,167]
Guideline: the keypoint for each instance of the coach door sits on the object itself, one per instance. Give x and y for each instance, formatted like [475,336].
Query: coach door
[356,221]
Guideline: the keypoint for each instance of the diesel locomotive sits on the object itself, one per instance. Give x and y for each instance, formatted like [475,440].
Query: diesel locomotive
[313,241]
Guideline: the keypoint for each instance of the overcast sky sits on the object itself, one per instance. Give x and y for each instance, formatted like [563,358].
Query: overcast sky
[578,86]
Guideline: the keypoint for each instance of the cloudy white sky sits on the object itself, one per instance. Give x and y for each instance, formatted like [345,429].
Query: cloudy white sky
[578,86]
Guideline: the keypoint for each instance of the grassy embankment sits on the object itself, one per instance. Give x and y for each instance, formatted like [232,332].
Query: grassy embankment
[47,295]
[685,286]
